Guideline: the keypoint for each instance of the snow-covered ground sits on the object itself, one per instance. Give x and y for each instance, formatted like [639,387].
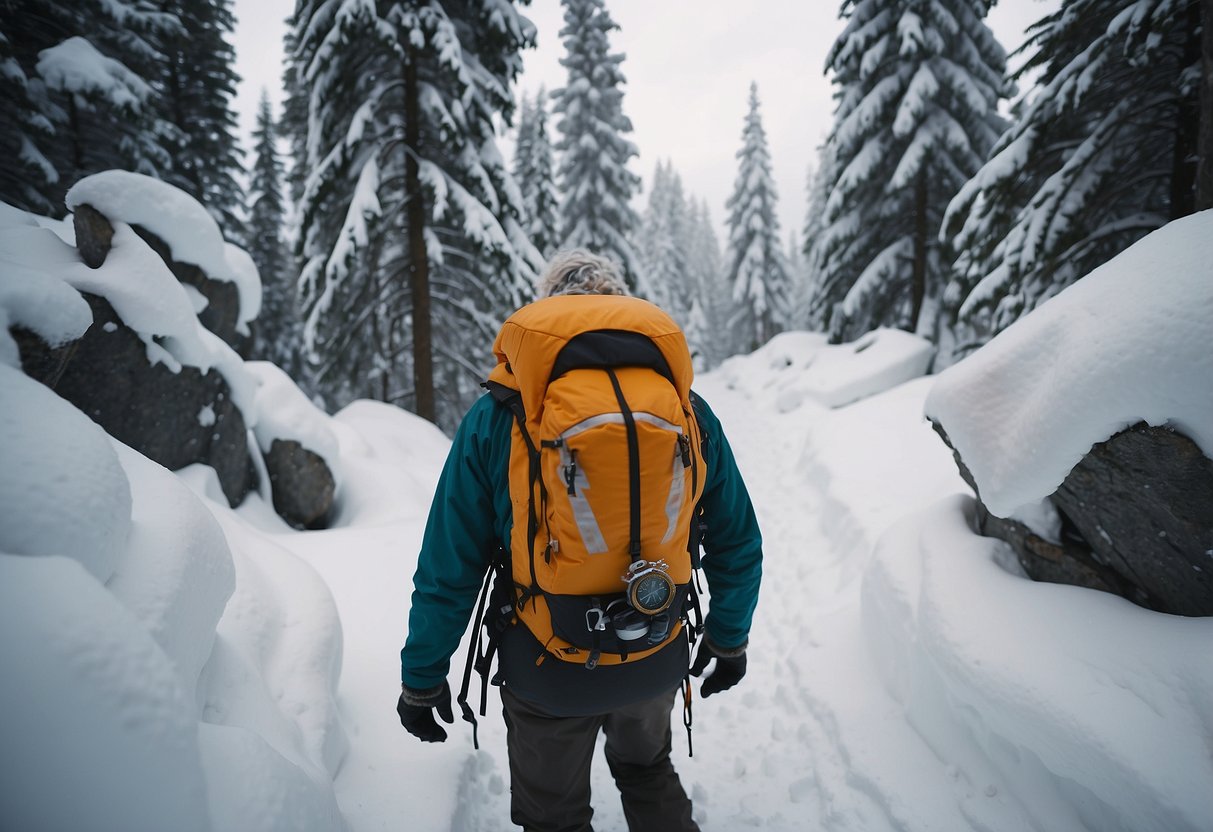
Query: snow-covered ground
[173,664]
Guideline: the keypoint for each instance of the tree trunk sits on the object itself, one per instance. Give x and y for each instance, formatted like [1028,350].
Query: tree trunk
[918,281]
[1204,144]
[419,271]
[1187,126]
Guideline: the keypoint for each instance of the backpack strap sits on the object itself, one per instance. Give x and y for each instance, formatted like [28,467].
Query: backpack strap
[512,400]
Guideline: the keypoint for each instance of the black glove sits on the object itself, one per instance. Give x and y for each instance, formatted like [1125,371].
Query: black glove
[416,711]
[730,667]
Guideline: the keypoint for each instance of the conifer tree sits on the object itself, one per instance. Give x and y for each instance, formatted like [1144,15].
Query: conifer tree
[279,331]
[533,172]
[1100,155]
[707,328]
[79,79]
[664,245]
[410,225]
[918,85]
[196,87]
[757,269]
[593,176]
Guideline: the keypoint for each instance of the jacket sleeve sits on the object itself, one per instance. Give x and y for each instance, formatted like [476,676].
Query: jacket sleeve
[456,550]
[732,542]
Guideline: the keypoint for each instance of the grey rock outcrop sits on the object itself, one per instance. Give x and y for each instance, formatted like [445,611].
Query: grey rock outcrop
[176,419]
[1137,521]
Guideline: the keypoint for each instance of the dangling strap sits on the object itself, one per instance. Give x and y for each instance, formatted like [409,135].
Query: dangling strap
[686,712]
[494,609]
[473,653]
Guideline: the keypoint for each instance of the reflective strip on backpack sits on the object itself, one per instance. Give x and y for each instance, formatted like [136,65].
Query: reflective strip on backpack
[673,503]
[583,515]
[617,419]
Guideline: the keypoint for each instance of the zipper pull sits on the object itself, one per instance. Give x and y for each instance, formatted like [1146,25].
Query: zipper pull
[570,474]
[684,446]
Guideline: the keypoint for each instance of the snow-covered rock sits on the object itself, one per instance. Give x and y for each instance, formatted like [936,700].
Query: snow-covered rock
[1101,403]
[1128,343]
[176,218]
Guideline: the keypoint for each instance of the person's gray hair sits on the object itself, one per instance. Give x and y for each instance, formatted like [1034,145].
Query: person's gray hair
[578,272]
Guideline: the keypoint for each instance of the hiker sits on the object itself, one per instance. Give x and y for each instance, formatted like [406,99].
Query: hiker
[592,596]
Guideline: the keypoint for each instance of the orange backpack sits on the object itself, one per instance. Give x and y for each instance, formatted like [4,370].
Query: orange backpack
[605,475]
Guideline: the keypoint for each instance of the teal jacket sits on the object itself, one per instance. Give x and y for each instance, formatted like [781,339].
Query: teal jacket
[471,516]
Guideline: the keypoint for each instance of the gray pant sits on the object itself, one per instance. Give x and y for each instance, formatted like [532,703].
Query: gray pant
[550,767]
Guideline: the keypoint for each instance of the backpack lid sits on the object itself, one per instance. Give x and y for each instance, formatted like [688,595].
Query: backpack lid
[531,346]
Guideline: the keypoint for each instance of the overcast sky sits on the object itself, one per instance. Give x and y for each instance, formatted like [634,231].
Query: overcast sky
[689,66]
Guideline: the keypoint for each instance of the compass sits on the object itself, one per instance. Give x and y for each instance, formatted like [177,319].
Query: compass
[650,588]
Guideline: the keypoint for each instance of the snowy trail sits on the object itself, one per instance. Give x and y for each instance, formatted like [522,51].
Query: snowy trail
[772,753]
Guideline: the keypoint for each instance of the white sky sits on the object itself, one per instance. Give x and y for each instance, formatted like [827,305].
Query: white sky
[689,66]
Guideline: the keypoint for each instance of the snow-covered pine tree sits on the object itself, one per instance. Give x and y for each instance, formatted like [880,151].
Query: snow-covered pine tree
[409,219]
[810,306]
[757,269]
[1100,155]
[196,87]
[707,328]
[533,172]
[279,328]
[593,176]
[918,85]
[663,245]
[79,79]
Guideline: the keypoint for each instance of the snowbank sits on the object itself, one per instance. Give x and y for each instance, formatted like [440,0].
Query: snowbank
[164,670]
[63,490]
[1130,342]
[794,367]
[1068,709]
[177,219]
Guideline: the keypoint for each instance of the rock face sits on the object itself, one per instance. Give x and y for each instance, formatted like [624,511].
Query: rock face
[176,419]
[1137,521]
[222,309]
[302,484]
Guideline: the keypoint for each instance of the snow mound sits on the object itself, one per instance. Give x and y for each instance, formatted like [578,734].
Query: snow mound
[98,731]
[166,623]
[176,218]
[176,573]
[879,361]
[1073,708]
[63,491]
[795,367]
[285,412]
[1130,342]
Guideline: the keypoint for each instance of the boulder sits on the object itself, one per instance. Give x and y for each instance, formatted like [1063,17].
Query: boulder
[1136,520]
[176,419]
[302,484]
